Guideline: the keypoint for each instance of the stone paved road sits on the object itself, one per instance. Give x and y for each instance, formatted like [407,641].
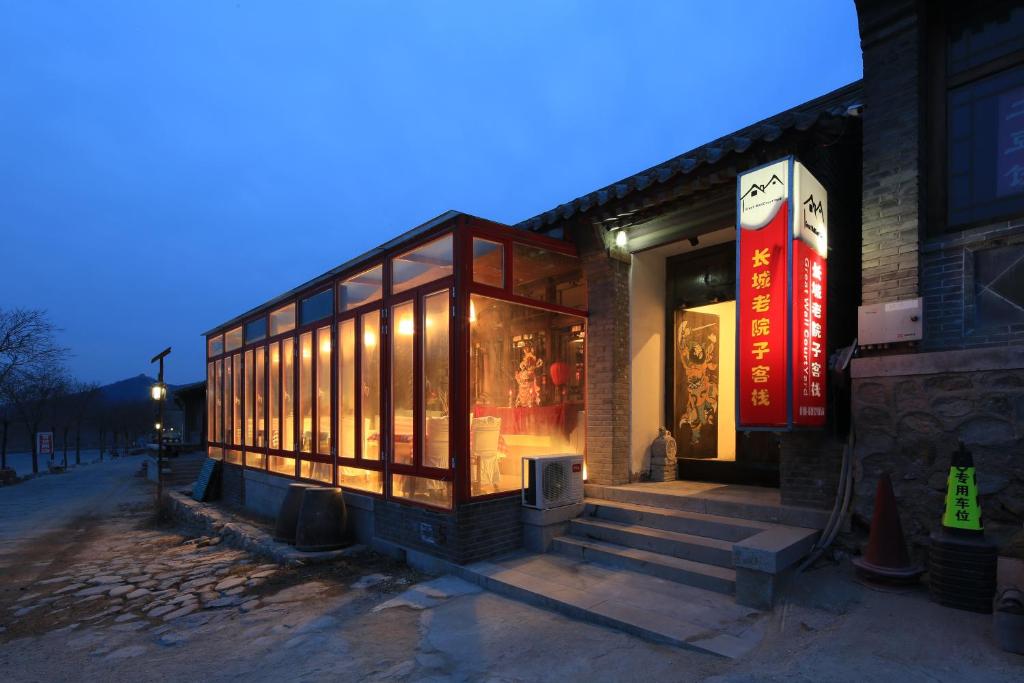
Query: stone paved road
[91,589]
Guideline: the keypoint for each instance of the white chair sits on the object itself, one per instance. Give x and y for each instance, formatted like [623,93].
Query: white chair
[484,437]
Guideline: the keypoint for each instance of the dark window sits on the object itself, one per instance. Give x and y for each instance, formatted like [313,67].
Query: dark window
[255,330]
[977,107]
[316,307]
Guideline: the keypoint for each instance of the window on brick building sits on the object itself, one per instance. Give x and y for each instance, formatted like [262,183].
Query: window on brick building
[976,109]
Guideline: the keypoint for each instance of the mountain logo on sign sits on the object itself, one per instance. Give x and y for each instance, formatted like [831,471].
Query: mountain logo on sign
[757,188]
[814,208]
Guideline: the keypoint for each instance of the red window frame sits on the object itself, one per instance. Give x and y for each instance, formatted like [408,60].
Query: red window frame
[460,287]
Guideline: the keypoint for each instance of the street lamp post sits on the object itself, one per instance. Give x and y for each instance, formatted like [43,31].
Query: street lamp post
[159,394]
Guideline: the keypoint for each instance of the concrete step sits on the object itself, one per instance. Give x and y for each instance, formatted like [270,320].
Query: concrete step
[643,605]
[729,504]
[697,574]
[679,521]
[685,546]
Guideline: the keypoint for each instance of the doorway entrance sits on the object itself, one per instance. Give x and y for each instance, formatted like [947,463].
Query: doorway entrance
[700,378]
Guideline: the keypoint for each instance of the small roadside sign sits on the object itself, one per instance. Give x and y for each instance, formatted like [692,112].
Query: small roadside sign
[44,444]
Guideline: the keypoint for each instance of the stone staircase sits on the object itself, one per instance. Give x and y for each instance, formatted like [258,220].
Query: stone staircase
[734,547]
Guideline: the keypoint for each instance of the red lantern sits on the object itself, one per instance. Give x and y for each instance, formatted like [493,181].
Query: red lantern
[559,373]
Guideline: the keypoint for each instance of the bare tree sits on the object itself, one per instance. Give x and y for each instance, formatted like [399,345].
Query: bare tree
[5,422]
[32,392]
[26,341]
[84,396]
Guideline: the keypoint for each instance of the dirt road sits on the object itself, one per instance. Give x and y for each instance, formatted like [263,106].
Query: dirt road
[93,590]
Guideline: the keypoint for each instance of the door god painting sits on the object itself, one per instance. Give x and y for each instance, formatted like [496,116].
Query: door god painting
[697,340]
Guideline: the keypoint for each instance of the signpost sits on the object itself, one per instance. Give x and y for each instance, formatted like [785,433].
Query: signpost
[781,251]
[44,445]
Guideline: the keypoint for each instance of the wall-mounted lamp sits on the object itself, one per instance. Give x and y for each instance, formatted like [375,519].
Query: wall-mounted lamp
[621,238]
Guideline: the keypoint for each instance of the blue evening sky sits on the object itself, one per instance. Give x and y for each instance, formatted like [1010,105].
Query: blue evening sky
[165,165]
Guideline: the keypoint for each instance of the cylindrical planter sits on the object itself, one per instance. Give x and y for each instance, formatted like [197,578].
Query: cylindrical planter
[323,520]
[288,515]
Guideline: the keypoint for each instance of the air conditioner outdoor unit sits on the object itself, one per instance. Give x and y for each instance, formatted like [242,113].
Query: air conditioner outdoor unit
[552,481]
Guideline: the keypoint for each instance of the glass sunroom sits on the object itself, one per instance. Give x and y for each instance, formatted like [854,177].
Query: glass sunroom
[421,372]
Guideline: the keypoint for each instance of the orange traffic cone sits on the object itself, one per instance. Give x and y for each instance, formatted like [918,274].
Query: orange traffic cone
[886,557]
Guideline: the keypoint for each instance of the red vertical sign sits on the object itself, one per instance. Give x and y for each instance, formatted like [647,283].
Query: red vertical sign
[781,298]
[810,272]
[762,318]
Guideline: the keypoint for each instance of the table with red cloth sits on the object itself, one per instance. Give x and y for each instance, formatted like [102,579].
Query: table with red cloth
[539,420]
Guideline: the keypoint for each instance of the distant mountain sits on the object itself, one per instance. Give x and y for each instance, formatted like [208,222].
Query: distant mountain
[131,389]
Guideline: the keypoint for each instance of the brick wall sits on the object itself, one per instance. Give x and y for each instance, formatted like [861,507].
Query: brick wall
[232,489]
[890,37]
[952,320]
[608,360]
[473,532]
[488,528]
[809,465]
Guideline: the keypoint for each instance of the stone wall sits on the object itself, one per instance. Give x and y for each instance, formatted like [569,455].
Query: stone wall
[908,422]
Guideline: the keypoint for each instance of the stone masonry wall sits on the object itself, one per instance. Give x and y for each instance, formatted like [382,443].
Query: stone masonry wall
[909,426]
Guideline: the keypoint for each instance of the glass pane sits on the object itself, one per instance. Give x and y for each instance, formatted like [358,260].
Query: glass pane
[275,396]
[228,401]
[986,149]
[233,457]
[548,276]
[526,389]
[261,416]
[236,400]
[435,379]
[370,395]
[248,389]
[319,471]
[306,392]
[347,389]
[316,307]
[488,262]
[323,391]
[211,402]
[233,339]
[218,392]
[422,265]
[426,491]
[360,479]
[402,382]
[255,330]
[282,320]
[361,289]
[215,453]
[257,461]
[288,393]
[215,345]
[279,465]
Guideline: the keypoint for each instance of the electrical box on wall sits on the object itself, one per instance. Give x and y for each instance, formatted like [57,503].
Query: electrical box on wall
[889,323]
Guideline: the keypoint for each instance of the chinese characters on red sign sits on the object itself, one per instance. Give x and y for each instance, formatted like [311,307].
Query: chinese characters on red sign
[781,300]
